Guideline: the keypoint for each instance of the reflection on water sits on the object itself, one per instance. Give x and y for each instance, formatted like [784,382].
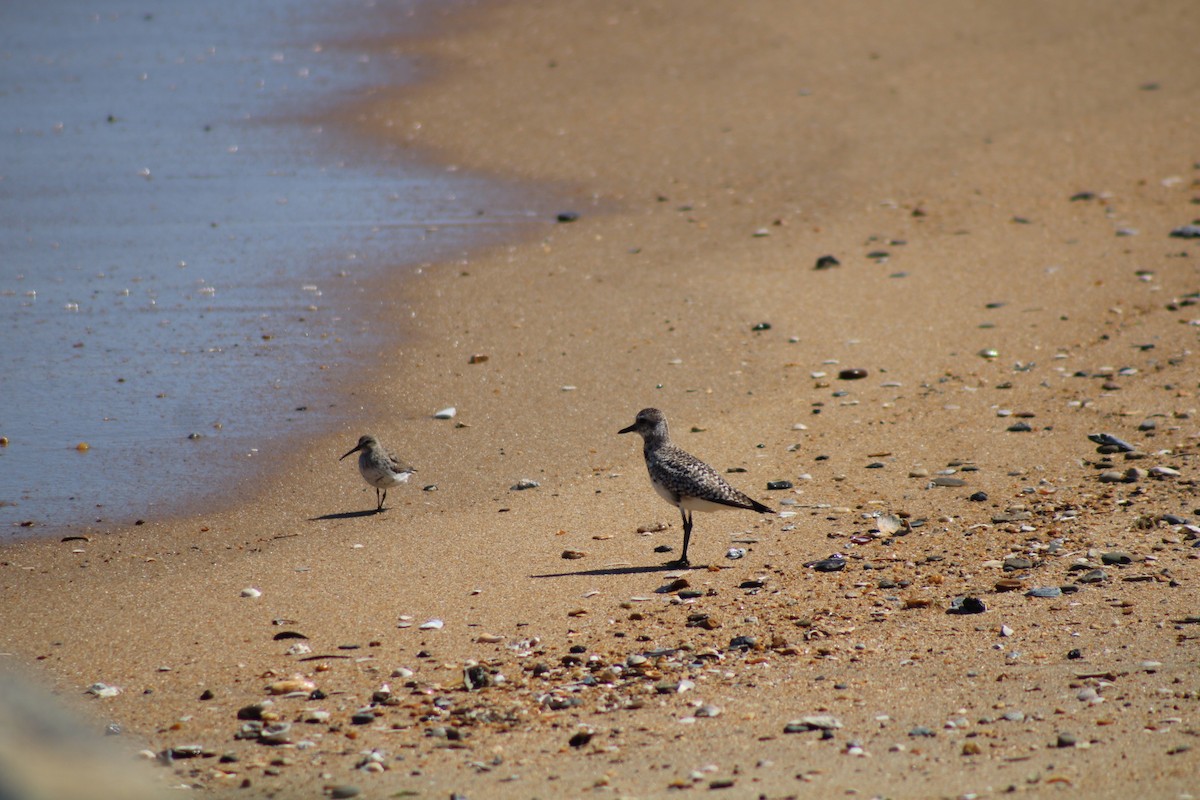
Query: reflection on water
[175,268]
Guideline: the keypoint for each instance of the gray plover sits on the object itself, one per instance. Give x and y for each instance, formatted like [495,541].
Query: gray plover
[379,467]
[683,480]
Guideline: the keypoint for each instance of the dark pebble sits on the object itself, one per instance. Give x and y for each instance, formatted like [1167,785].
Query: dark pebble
[827,262]
[1107,439]
[1186,232]
[362,718]
[250,712]
[343,791]
[207,695]
[1019,427]
[1116,557]
[580,739]
[663,548]
[831,564]
[1044,591]
[978,497]
[1074,655]
[762,326]
[1094,576]
[966,605]
[567,216]
[853,374]
[876,465]
[1065,740]
[779,485]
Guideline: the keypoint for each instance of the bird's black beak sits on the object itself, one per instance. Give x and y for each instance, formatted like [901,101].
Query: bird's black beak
[630,429]
[355,449]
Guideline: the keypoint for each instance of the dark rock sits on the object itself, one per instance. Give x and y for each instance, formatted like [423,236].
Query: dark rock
[966,605]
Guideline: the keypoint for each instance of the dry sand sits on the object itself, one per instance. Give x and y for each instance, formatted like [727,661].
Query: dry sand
[715,151]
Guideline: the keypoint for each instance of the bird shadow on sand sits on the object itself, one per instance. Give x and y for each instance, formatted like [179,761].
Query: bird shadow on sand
[369,512]
[668,567]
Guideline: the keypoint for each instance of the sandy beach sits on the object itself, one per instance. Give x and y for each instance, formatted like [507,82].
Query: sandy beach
[997,184]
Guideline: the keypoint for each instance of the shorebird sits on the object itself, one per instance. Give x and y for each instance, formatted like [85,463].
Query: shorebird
[379,467]
[683,480]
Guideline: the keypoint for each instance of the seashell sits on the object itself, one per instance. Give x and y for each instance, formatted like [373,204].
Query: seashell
[289,685]
[889,524]
[446,413]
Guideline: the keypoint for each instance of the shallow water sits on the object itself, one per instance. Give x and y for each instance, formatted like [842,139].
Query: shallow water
[177,259]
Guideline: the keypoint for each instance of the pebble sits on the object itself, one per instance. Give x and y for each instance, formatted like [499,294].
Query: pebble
[1164,472]
[735,553]
[250,591]
[978,497]
[573,555]
[1019,427]
[1116,557]
[1190,231]
[103,690]
[815,722]
[276,733]
[832,564]
[446,413]
[1108,440]
[852,374]
[1065,740]
[946,480]
[343,791]
[523,484]
[432,625]
[1013,563]
[827,262]
[1094,576]
[1044,591]
[922,730]
[966,605]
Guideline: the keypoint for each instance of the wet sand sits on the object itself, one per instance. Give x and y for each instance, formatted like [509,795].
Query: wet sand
[998,186]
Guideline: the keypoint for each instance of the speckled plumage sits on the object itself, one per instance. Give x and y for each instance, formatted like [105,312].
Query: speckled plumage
[379,467]
[683,480]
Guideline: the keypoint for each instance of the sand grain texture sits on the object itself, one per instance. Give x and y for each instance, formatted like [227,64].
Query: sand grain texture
[715,152]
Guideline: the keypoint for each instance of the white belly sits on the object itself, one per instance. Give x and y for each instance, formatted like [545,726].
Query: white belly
[689,503]
[384,478]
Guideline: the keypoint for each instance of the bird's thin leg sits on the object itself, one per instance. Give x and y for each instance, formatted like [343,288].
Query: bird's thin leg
[687,534]
[379,498]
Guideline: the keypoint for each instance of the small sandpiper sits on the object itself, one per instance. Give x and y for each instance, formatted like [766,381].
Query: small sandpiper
[379,467]
[683,480]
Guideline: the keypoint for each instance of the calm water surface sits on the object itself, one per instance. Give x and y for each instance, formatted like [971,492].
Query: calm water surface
[177,259]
